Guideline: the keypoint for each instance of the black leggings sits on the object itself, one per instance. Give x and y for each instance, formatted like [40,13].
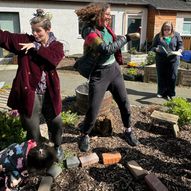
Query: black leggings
[43,105]
[103,79]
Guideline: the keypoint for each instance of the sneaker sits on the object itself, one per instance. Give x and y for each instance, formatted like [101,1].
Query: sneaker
[131,139]
[59,153]
[170,97]
[84,144]
[159,96]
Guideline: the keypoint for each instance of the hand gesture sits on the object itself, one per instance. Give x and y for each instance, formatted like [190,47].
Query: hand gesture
[27,46]
[134,36]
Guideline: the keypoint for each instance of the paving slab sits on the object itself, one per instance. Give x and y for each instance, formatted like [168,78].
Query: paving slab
[139,93]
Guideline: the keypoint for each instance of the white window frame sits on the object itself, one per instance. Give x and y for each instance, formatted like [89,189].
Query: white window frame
[186,22]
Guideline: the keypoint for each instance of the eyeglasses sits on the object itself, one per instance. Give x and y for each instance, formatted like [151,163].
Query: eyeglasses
[167,29]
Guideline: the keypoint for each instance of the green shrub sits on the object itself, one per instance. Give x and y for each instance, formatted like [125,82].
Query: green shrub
[181,107]
[151,58]
[69,118]
[11,130]
[133,50]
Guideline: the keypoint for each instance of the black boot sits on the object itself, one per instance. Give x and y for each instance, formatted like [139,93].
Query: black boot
[84,144]
[131,139]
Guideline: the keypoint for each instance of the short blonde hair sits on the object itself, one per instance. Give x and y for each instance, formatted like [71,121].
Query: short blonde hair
[43,18]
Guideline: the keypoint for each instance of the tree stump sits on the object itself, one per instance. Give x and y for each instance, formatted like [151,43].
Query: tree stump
[104,125]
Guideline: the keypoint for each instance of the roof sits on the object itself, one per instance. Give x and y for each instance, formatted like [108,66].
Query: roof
[177,5]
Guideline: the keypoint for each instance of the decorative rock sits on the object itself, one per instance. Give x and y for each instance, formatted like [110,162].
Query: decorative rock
[54,170]
[88,160]
[45,184]
[111,158]
[154,183]
[72,162]
[137,171]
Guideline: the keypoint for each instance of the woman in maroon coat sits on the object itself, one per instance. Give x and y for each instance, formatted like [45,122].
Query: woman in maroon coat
[36,86]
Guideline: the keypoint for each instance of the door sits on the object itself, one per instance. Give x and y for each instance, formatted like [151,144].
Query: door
[134,25]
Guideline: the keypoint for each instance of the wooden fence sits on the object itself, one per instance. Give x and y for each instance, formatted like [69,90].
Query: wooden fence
[186,42]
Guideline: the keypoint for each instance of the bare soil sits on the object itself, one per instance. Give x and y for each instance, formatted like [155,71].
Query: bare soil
[160,153]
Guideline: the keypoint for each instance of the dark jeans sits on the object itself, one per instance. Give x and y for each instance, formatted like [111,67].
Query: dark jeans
[43,105]
[103,79]
[166,77]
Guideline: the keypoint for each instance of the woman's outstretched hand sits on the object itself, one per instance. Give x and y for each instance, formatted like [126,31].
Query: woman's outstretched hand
[134,36]
[27,46]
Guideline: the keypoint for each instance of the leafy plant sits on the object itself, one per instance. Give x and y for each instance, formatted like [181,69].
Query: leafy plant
[133,74]
[69,118]
[181,107]
[151,58]
[11,130]
[7,86]
[133,50]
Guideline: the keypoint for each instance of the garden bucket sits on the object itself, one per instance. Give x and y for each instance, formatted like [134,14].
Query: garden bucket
[82,100]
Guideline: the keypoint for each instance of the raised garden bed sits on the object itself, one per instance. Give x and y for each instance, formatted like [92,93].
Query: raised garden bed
[183,78]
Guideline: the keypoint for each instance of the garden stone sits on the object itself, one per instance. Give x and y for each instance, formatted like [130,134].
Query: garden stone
[55,170]
[45,184]
[137,171]
[72,162]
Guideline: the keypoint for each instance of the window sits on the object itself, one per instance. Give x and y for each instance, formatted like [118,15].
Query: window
[187,26]
[113,22]
[9,22]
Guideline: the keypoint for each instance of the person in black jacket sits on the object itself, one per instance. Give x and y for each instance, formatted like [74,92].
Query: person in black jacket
[103,45]
[166,61]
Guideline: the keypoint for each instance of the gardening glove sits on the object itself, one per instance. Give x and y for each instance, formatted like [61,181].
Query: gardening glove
[133,36]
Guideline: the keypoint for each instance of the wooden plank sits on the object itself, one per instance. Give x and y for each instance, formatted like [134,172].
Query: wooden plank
[176,130]
[4,95]
[171,118]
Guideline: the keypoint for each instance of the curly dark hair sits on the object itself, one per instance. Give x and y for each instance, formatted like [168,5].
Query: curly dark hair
[92,12]
[41,157]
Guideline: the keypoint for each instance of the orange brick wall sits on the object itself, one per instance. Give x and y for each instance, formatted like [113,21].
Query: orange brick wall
[155,20]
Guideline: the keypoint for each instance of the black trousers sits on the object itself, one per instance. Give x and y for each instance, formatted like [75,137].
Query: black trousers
[166,77]
[101,80]
[43,105]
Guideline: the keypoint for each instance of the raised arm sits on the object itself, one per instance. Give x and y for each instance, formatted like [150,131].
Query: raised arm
[10,41]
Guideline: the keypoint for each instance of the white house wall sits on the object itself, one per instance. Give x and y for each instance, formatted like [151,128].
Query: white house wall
[65,21]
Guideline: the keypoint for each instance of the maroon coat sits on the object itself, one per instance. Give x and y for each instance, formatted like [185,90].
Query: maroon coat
[29,72]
